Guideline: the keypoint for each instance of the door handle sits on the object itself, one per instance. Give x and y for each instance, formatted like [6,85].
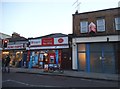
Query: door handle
[102,58]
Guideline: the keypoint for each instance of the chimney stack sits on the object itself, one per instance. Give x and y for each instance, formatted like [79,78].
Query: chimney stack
[76,12]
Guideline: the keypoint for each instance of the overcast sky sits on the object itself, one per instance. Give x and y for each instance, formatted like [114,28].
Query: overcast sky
[34,18]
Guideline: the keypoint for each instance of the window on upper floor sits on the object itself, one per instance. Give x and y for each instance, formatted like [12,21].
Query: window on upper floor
[117,23]
[100,25]
[84,26]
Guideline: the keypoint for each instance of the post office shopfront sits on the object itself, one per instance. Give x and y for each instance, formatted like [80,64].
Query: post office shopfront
[45,51]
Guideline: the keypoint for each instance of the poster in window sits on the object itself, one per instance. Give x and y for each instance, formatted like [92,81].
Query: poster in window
[52,58]
[41,57]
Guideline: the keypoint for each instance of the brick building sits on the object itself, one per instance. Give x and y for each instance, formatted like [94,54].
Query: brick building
[95,41]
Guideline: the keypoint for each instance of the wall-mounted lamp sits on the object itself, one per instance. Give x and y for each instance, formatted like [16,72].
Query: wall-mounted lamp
[74,44]
[107,39]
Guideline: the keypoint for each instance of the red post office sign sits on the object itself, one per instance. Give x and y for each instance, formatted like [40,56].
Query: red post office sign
[47,41]
[60,40]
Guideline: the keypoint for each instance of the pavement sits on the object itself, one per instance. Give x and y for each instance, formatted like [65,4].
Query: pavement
[70,73]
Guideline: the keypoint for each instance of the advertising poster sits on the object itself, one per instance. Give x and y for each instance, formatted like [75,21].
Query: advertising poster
[57,57]
[41,57]
[52,59]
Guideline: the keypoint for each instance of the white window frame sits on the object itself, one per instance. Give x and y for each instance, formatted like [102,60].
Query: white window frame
[101,25]
[84,28]
[117,23]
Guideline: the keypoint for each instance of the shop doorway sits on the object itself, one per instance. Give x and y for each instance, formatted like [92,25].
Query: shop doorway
[102,58]
[96,57]
[66,60]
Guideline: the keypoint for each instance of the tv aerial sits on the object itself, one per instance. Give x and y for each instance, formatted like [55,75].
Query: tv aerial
[77,5]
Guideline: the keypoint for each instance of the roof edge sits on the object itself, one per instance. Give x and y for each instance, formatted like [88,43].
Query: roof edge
[96,11]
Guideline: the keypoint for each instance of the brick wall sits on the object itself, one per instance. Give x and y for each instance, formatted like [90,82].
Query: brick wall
[108,14]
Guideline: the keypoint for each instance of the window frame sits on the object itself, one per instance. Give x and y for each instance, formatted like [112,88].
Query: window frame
[84,29]
[101,25]
[116,23]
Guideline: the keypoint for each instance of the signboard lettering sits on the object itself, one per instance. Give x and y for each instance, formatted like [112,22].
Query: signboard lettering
[18,46]
[47,41]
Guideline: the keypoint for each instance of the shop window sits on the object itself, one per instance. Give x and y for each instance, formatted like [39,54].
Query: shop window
[51,51]
[41,57]
[13,59]
[82,61]
[45,58]
[117,23]
[19,55]
[100,25]
[82,56]
[95,48]
[41,65]
[33,53]
[52,58]
[84,26]
[81,47]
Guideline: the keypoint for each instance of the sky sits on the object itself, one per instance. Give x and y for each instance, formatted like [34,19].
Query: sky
[34,18]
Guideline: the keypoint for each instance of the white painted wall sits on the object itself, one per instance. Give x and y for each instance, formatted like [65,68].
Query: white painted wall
[65,40]
[74,54]
[97,39]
